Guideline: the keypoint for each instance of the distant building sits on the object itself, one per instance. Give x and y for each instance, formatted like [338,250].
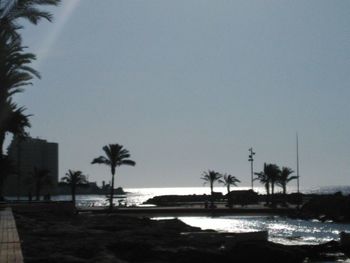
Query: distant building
[29,153]
[242,197]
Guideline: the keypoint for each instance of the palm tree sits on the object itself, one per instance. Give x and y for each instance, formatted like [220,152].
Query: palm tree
[14,67]
[264,180]
[285,178]
[12,120]
[272,171]
[116,156]
[13,10]
[211,177]
[74,179]
[14,75]
[41,178]
[15,72]
[229,180]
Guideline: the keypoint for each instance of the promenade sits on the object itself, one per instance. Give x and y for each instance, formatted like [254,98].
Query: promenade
[10,245]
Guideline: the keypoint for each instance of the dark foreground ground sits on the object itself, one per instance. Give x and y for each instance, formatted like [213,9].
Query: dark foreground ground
[48,237]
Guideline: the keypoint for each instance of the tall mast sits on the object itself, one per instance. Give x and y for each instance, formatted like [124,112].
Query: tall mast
[251,160]
[298,163]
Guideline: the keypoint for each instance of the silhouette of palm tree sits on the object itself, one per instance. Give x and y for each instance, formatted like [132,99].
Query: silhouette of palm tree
[229,180]
[40,178]
[285,178]
[13,10]
[13,120]
[14,75]
[273,172]
[15,72]
[211,177]
[116,156]
[264,179]
[74,179]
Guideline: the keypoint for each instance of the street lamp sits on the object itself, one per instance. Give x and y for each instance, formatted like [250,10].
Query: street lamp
[251,160]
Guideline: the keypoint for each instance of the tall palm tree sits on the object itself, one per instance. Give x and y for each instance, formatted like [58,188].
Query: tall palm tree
[74,179]
[285,178]
[14,67]
[13,10]
[264,179]
[229,180]
[15,72]
[116,156]
[41,178]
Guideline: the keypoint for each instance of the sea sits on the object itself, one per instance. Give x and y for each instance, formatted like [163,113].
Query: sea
[281,229]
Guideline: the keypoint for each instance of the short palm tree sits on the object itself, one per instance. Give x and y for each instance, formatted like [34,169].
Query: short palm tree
[211,177]
[273,172]
[229,180]
[116,156]
[41,178]
[74,179]
[285,178]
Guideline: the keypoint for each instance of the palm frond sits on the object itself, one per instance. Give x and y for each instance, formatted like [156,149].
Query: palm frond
[101,160]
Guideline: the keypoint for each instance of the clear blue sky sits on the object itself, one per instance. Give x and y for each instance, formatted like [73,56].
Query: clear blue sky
[189,85]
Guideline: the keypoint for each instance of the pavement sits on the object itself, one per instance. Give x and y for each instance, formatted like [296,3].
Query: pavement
[10,245]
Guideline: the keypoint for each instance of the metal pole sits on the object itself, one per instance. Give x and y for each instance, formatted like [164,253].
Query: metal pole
[251,160]
[298,163]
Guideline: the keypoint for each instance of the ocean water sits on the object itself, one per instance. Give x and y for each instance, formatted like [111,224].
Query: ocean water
[281,230]
[136,196]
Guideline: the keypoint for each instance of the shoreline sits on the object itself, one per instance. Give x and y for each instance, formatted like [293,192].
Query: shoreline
[56,237]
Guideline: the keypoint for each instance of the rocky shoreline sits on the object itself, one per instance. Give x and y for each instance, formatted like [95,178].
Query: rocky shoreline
[106,238]
[334,207]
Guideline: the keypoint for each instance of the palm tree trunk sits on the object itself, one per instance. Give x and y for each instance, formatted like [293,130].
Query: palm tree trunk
[73,194]
[272,188]
[284,188]
[1,187]
[267,186]
[211,195]
[38,192]
[228,188]
[272,192]
[112,190]
[2,139]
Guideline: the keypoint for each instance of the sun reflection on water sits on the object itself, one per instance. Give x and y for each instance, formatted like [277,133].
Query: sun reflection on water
[281,230]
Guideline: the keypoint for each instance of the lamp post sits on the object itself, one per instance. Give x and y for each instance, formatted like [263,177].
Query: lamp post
[251,160]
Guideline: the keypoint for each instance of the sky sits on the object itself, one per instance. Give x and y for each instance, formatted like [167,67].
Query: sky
[191,85]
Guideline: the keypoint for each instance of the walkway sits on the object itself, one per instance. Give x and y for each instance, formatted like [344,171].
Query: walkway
[10,245]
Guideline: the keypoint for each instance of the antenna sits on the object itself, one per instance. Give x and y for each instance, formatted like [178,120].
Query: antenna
[298,162]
